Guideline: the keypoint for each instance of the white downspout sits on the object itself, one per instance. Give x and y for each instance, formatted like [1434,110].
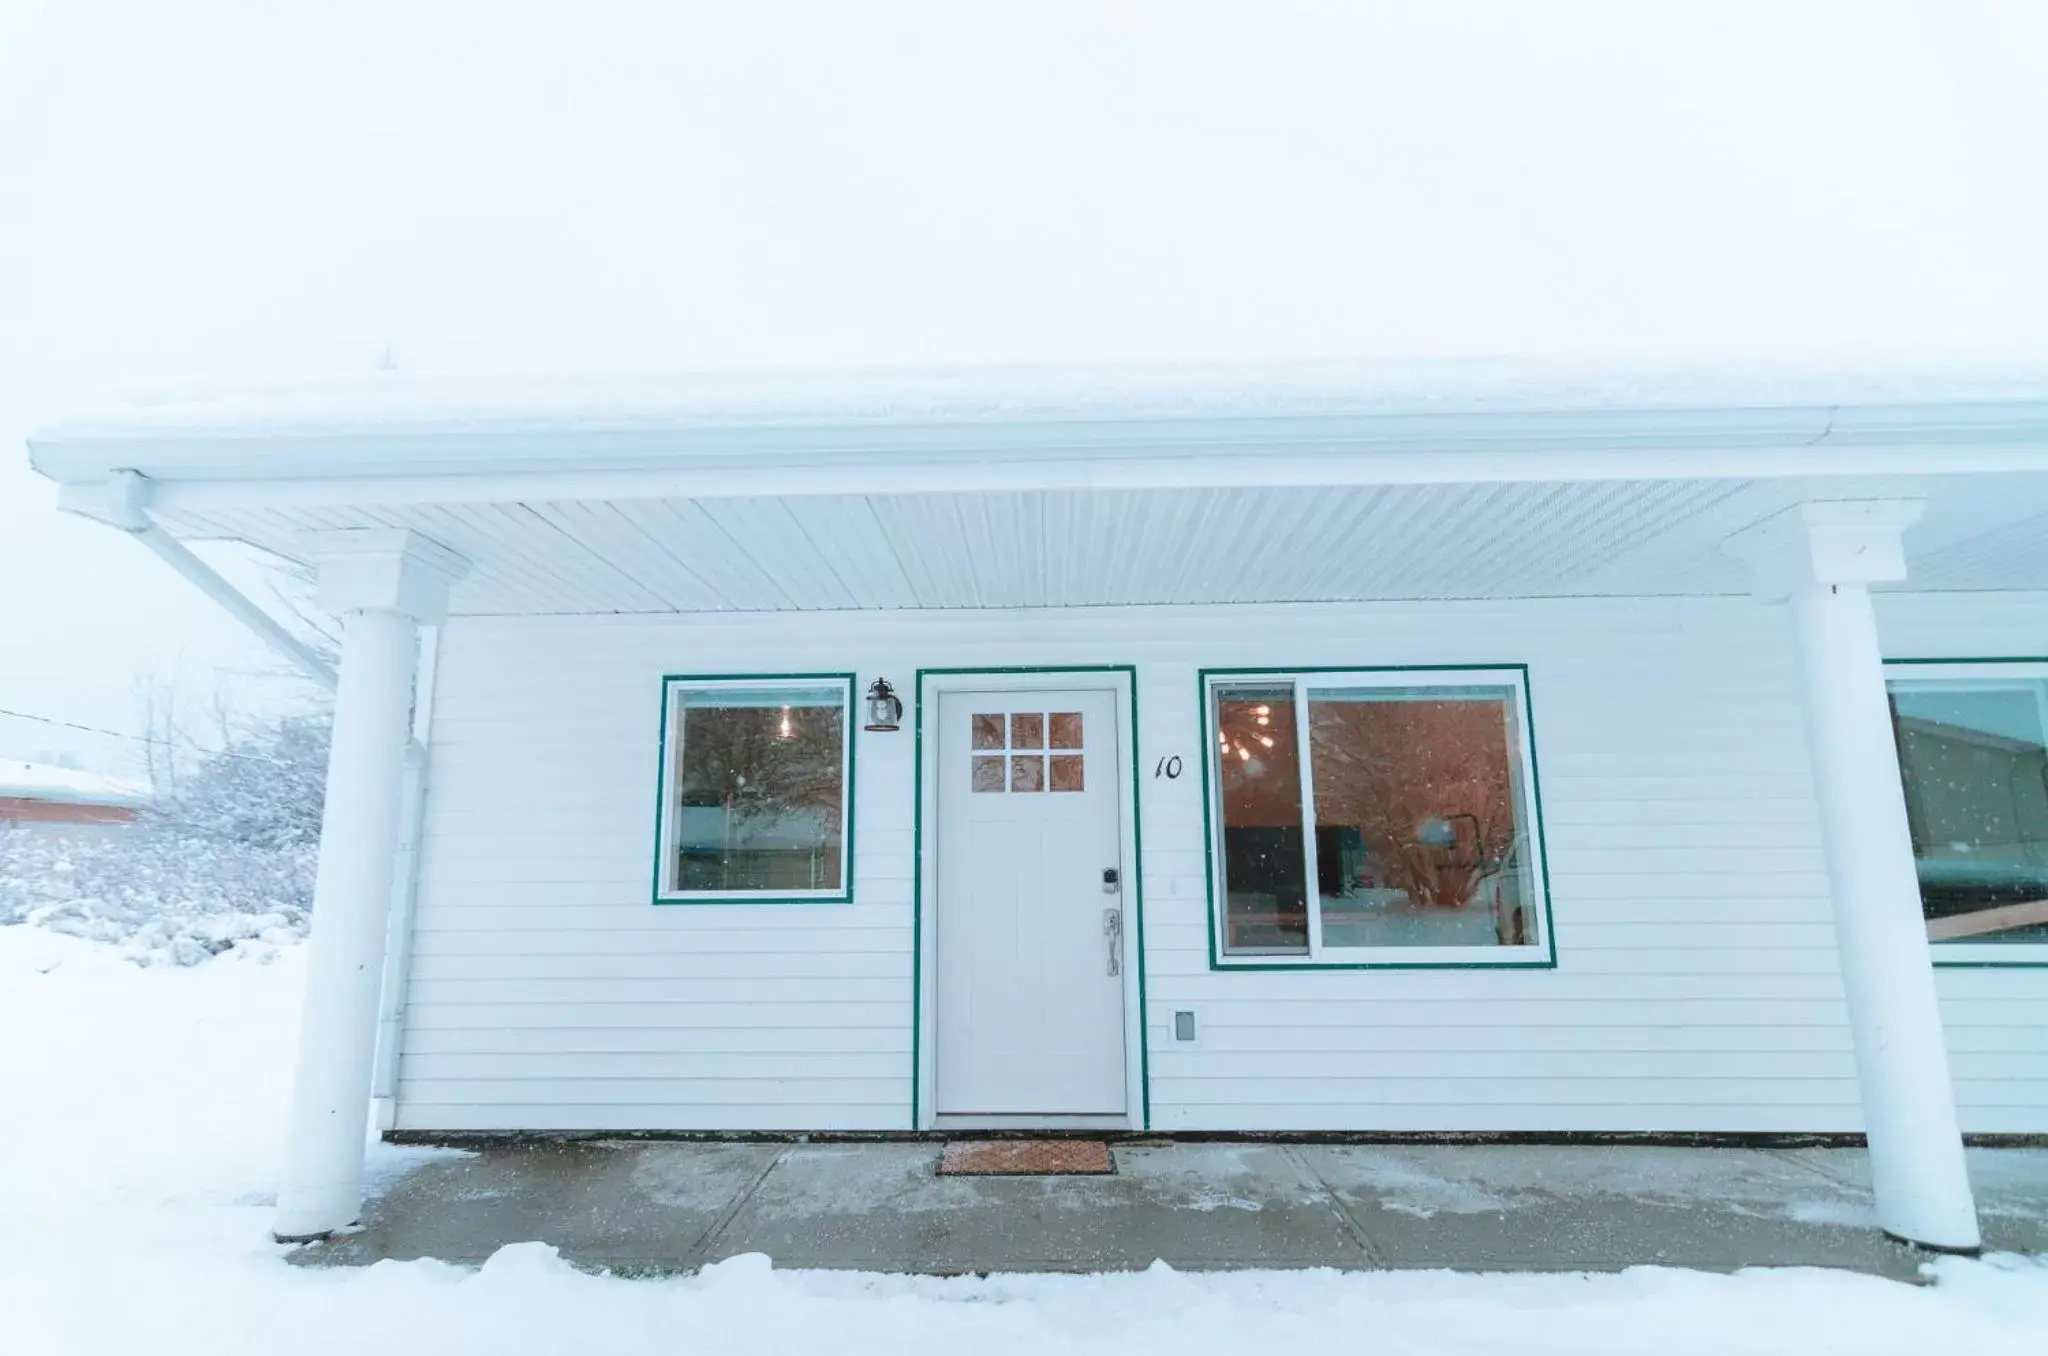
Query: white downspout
[404,888]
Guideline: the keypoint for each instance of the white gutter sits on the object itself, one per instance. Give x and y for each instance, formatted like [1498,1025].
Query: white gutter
[123,501]
[968,475]
[404,888]
[213,468]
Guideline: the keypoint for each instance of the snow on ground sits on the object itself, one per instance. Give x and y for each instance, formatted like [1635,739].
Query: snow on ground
[131,1085]
[139,1141]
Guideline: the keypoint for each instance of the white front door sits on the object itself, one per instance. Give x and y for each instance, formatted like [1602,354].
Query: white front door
[1030,993]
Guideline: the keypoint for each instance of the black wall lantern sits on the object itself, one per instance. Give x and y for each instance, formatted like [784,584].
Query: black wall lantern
[885,712]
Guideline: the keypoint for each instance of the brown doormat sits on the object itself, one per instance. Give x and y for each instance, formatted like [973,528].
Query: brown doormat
[1026,1158]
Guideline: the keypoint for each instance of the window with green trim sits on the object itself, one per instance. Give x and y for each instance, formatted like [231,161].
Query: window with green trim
[1973,758]
[756,780]
[1374,817]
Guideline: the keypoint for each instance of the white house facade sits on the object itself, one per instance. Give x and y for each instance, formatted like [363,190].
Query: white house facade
[1170,751]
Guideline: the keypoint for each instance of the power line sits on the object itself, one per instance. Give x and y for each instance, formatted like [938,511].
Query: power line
[145,739]
[73,725]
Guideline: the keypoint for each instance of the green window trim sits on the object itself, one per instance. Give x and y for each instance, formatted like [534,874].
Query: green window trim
[1953,955]
[664,799]
[1540,956]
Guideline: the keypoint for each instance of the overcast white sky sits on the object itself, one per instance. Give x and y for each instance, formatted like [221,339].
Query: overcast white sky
[208,194]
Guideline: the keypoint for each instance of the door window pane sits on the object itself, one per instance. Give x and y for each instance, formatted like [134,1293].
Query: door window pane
[1265,900]
[988,772]
[1067,773]
[1974,757]
[1027,770]
[1418,839]
[757,793]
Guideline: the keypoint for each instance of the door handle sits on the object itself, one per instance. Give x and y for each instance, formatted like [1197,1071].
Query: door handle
[1113,929]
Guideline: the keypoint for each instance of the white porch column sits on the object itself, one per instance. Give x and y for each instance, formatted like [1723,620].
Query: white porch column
[383,583]
[1821,558]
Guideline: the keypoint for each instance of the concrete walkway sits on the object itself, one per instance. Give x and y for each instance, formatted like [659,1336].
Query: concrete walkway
[643,1207]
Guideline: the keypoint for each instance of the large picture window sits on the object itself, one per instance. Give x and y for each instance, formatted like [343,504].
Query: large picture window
[756,780]
[1374,817]
[1973,755]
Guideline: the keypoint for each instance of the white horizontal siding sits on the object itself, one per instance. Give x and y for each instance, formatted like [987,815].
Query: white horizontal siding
[1696,986]
[468,1013]
[547,992]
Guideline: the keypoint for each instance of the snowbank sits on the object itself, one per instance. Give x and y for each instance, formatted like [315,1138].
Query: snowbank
[139,1142]
[525,1300]
[161,894]
[127,1084]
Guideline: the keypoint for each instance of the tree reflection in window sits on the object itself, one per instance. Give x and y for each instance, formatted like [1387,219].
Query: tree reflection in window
[1415,818]
[759,787]
[1415,797]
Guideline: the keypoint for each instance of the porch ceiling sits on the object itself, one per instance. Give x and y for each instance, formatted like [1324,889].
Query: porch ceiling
[1066,548]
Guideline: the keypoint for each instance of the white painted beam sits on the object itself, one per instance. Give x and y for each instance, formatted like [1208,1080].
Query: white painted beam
[124,501]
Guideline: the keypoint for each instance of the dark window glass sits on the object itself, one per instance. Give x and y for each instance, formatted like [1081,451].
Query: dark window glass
[1974,758]
[1265,896]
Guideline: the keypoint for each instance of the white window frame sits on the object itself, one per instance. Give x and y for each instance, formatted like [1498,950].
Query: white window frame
[1539,954]
[671,716]
[1977,955]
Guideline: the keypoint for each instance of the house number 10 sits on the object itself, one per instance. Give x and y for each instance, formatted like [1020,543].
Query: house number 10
[1168,768]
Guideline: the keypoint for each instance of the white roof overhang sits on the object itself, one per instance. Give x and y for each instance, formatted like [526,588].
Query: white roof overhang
[1163,486]
[1050,427]
[499,464]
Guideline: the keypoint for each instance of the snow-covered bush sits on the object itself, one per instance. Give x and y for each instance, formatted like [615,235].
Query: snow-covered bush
[263,792]
[229,861]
